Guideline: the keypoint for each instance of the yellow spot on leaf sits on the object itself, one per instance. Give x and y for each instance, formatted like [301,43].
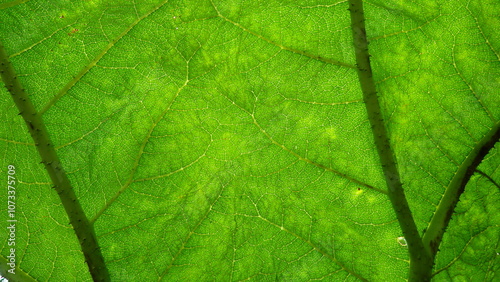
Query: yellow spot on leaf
[330,132]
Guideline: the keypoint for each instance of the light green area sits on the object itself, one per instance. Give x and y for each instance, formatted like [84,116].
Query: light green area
[219,140]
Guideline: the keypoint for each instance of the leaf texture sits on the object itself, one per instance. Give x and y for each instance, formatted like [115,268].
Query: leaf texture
[228,140]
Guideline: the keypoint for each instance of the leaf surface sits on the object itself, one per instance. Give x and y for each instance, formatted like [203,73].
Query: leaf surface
[228,140]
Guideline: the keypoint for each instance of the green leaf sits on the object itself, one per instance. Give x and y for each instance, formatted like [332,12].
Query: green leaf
[233,140]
